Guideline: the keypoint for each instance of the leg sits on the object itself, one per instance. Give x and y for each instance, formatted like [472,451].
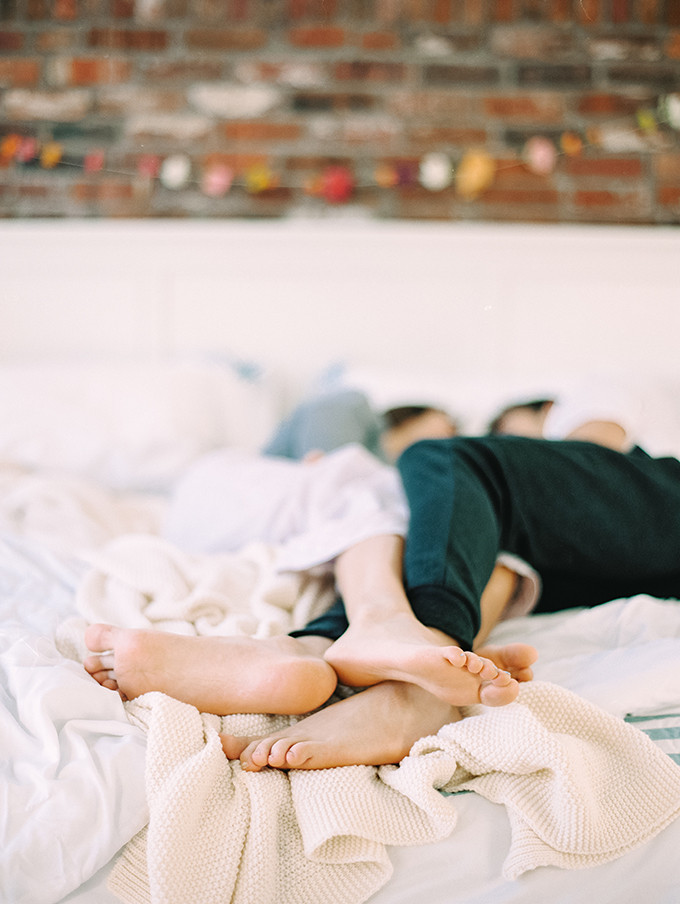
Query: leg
[374,727]
[324,423]
[221,675]
[384,640]
[589,519]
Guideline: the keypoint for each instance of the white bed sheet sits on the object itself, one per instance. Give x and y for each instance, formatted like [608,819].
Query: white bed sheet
[74,782]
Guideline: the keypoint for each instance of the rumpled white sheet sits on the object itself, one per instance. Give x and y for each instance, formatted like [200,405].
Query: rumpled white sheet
[72,780]
[69,514]
[310,511]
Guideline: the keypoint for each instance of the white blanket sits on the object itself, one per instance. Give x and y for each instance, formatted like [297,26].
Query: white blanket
[563,767]
[581,788]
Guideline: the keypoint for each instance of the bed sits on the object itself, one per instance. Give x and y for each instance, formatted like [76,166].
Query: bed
[115,378]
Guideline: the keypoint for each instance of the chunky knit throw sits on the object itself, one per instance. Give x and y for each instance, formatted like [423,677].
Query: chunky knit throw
[581,788]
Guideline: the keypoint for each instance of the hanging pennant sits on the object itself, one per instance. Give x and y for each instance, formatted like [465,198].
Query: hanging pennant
[540,155]
[646,121]
[94,161]
[669,110]
[313,185]
[435,172]
[9,147]
[407,172]
[571,144]
[149,166]
[51,154]
[386,175]
[337,184]
[217,180]
[28,150]
[474,174]
[175,172]
[260,178]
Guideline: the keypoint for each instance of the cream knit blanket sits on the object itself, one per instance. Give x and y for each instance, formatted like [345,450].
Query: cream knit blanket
[581,788]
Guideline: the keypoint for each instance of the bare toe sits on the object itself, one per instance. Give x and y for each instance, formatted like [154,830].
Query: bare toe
[99,638]
[299,754]
[474,663]
[455,656]
[278,755]
[94,664]
[233,746]
[495,694]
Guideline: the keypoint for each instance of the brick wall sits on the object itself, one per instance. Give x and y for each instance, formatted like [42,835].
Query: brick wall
[100,99]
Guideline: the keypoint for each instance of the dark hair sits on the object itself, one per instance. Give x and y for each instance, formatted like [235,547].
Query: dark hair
[395,417]
[535,406]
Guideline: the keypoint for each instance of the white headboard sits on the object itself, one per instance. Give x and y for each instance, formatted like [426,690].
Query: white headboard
[463,300]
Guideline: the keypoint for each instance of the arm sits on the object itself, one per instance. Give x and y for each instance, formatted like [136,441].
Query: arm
[604,433]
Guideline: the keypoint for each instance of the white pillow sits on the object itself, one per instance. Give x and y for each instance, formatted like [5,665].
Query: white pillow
[130,425]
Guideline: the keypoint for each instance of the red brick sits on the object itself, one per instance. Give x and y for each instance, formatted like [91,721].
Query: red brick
[673,13]
[380,40]
[647,11]
[620,11]
[66,9]
[438,135]
[239,163]
[317,36]
[566,74]
[108,190]
[19,73]
[474,11]
[441,11]
[31,190]
[546,108]
[187,70]
[125,39]
[123,9]
[225,38]
[520,196]
[56,41]
[436,103]
[669,195]
[11,40]
[589,12]
[673,45]
[97,70]
[503,10]
[611,167]
[561,11]
[365,71]
[533,42]
[37,9]
[444,74]
[667,167]
[300,9]
[261,131]
[607,104]
[595,198]
[656,77]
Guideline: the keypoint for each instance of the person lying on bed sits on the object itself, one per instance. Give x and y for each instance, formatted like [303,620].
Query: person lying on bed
[596,524]
[597,412]
[329,420]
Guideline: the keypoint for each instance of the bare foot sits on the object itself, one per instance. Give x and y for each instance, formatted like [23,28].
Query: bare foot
[376,726]
[516,658]
[406,650]
[221,675]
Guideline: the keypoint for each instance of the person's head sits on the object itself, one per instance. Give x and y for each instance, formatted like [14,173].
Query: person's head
[407,424]
[525,419]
